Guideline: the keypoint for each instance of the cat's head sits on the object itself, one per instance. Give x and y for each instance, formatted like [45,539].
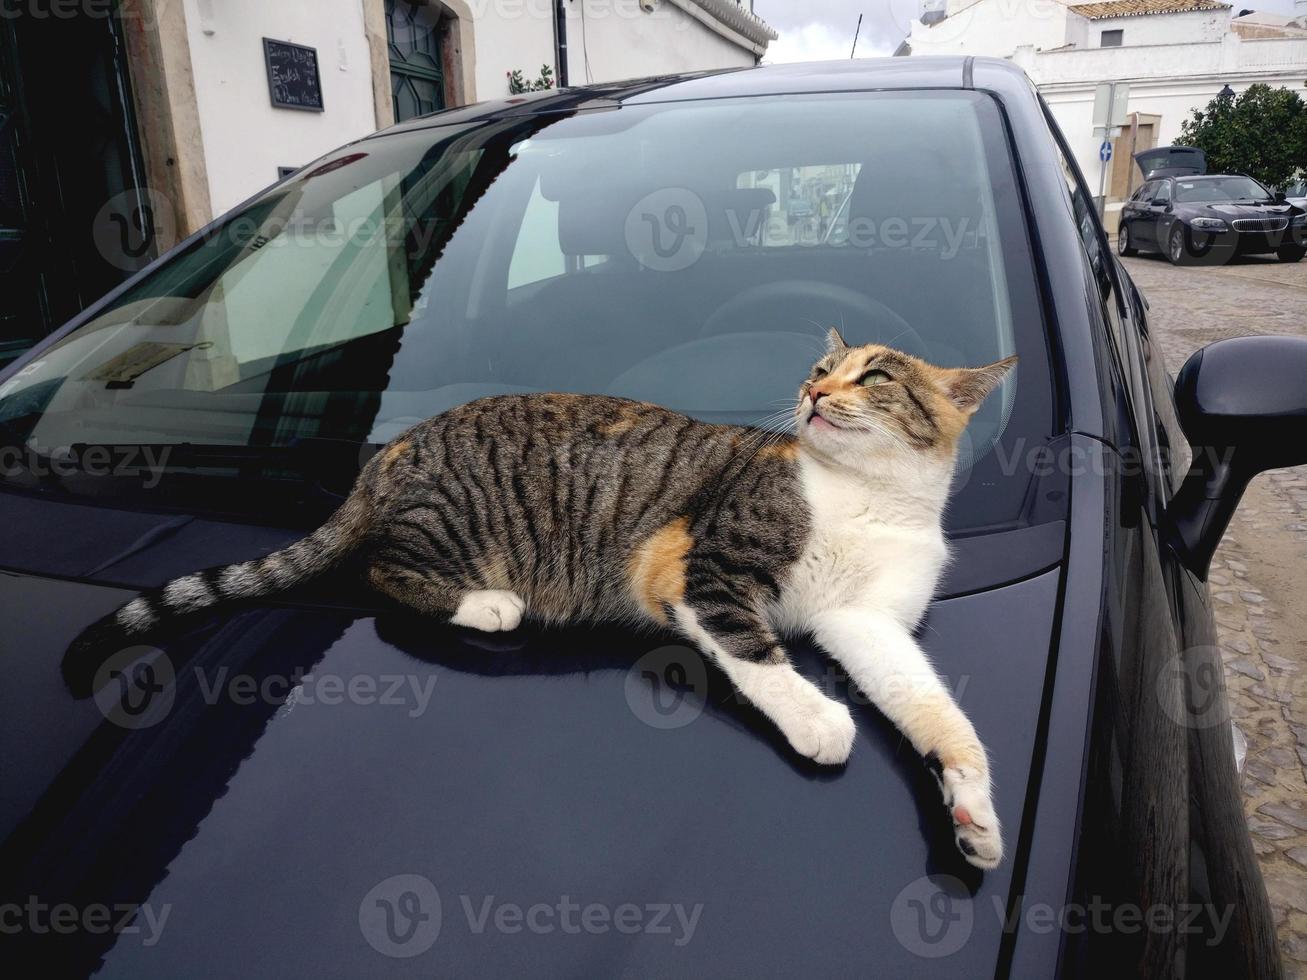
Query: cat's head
[860,400]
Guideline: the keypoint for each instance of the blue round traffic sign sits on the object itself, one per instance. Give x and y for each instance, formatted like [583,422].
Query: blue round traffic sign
[1105,151]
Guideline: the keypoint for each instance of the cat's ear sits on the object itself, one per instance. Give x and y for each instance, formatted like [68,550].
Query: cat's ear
[834,342]
[968,387]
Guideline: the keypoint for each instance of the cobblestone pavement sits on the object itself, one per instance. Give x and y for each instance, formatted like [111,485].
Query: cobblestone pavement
[1259,577]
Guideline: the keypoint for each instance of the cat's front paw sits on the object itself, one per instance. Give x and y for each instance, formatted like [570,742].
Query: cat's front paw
[491,611]
[823,731]
[975,824]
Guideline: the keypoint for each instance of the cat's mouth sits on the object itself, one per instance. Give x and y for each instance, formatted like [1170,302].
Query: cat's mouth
[818,421]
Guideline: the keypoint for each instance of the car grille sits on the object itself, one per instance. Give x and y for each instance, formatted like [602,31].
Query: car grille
[1260,224]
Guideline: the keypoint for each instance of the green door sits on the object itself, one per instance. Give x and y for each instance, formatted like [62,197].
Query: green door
[70,171]
[24,316]
[417,83]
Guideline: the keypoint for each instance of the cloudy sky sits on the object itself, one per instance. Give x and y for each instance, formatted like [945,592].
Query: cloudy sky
[816,30]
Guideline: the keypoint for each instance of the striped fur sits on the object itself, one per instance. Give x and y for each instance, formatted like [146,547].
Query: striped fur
[570,508]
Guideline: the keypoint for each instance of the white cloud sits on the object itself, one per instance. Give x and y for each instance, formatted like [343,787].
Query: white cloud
[811,42]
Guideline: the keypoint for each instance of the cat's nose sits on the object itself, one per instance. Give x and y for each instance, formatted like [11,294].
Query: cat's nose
[816,393]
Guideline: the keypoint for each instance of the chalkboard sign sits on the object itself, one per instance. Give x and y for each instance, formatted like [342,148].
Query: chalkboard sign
[293,78]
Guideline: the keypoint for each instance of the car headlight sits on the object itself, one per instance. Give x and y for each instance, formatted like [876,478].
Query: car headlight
[1210,224]
[1300,221]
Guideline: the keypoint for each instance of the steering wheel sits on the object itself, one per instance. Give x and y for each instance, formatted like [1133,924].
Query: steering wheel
[790,302]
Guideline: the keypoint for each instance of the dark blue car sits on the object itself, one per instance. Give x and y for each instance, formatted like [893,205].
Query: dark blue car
[328,786]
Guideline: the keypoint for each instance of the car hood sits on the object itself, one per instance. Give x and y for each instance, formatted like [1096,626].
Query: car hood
[313,789]
[1236,210]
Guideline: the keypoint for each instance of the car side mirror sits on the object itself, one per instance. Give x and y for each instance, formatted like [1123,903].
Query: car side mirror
[1281,197]
[1243,406]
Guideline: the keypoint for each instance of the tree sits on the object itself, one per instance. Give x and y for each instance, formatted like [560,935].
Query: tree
[1262,133]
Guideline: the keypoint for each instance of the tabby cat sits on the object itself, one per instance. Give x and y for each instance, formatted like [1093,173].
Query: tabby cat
[570,508]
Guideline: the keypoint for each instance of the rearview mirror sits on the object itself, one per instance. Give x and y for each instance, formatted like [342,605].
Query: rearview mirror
[1281,197]
[1243,406]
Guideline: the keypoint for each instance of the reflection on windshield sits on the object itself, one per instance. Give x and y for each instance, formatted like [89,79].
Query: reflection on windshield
[690,254]
[1217,190]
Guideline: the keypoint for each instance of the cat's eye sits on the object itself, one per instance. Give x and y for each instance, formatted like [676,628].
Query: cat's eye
[819,373]
[875,377]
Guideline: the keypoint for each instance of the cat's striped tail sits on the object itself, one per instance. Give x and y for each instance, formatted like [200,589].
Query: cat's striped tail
[282,570]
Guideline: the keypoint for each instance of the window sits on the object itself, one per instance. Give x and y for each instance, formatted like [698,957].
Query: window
[1111,39]
[1162,191]
[416,81]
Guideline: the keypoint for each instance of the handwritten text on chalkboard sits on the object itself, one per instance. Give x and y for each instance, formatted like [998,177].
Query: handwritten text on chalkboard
[293,78]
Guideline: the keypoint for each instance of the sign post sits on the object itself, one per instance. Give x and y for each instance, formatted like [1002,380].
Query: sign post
[1111,103]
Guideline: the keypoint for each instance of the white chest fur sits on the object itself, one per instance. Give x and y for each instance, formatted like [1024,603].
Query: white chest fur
[876,540]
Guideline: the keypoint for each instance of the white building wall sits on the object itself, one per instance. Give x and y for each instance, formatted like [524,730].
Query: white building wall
[997,27]
[617,39]
[510,34]
[624,41]
[245,138]
[1194,25]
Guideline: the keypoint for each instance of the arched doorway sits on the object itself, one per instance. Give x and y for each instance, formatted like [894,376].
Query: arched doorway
[422,56]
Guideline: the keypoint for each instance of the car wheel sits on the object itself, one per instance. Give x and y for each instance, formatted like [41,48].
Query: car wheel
[1177,249]
[1290,253]
[1123,246]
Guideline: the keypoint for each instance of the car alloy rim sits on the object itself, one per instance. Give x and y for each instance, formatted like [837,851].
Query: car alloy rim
[1177,244]
[1123,239]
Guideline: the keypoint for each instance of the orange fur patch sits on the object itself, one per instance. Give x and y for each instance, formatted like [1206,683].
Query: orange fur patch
[788,449]
[657,568]
[616,428]
[391,456]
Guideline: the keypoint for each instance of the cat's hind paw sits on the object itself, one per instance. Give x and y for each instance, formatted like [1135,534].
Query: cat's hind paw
[491,611]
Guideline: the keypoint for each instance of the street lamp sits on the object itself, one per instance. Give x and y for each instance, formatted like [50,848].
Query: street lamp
[1226,92]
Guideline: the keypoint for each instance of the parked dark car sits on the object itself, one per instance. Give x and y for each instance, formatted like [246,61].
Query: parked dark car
[327,786]
[1213,217]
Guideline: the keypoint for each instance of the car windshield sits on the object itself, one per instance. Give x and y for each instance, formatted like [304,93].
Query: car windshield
[677,253]
[1218,190]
